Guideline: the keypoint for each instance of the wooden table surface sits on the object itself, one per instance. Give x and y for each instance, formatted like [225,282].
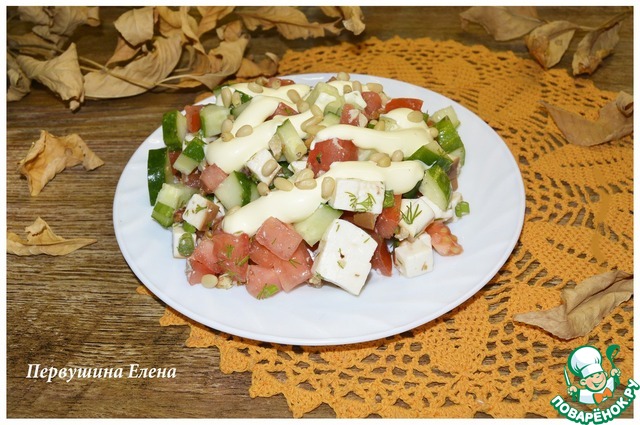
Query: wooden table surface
[82,309]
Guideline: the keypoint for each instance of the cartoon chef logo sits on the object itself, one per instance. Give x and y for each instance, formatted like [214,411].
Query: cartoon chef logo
[597,385]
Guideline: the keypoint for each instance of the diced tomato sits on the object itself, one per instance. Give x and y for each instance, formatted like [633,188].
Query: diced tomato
[192,180]
[403,102]
[296,270]
[198,270]
[350,115]
[258,277]
[261,255]
[283,81]
[381,260]
[193,117]
[443,241]
[374,104]
[327,152]
[173,155]
[211,177]
[278,237]
[232,254]
[283,109]
[389,218]
[204,255]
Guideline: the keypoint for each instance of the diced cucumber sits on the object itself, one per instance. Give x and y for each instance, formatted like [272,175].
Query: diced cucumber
[448,136]
[190,157]
[211,118]
[432,153]
[174,129]
[446,112]
[292,145]
[163,214]
[236,190]
[326,89]
[436,186]
[175,195]
[330,119]
[334,107]
[459,153]
[158,172]
[313,227]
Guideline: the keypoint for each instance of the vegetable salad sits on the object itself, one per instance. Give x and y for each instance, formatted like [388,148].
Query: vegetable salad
[278,184]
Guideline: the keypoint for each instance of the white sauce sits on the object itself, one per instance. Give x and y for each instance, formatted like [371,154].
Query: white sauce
[407,140]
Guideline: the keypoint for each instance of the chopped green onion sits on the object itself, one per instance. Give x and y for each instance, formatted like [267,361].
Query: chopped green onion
[462,208]
[269,290]
[389,200]
[188,227]
[185,245]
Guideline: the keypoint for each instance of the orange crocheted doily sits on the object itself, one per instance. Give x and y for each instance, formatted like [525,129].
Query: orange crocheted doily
[474,360]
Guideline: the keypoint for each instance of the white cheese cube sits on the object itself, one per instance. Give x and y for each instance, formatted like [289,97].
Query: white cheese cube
[344,256]
[358,195]
[256,163]
[437,212]
[355,98]
[413,258]
[177,232]
[415,216]
[297,166]
[199,212]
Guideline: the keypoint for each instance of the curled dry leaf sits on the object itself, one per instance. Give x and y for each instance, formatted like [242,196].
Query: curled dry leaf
[583,306]
[502,22]
[210,17]
[61,74]
[124,52]
[50,155]
[597,45]
[19,83]
[40,239]
[34,14]
[32,44]
[289,21]
[352,17]
[179,22]
[266,67]
[548,43]
[136,25]
[231,31]
[58,22]
[139,75]
[613,122]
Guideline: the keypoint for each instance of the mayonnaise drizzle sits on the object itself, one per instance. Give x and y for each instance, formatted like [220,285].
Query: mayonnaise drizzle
[408,140]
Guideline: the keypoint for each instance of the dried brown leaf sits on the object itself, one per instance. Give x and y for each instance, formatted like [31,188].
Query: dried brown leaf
[289,21]
[210,17]
[139,75]
[32,44]
[597,45]
[612,123]
[172,22]
[67,18]
[136,25]
[352,17]
[502,22]
[50,155]
[36,14]
[548,43]
[124,52]
[583,306]
[19,83]
[40,239]
[231,31]
[266,67]
[61,74]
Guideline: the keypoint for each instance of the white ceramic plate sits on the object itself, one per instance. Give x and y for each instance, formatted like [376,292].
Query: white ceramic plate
[490,182]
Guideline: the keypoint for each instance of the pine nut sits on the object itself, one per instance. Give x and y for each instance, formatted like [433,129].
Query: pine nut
[302,106]
[342,76]
[263,81]
[306,184]
[375,87]
[380,126]
[276,83]
[314,129]
[263,189]
[434,132]
[310,121]
[305,174]
[269,167]
[275,144]
[245,130]
[357,86]
[328,186]
[347,89]
[236,99]
[226,96]
[255,87]
[293,95]
[283,184]
[226,137]
[227,125]
[397,156]
[209,281]
[316,111]
[415,116]
[376,156]
[385,161]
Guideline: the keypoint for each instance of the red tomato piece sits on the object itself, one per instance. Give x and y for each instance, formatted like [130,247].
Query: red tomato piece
[193,117]
[278,237]
[283,109]
[204,254]
[403,102]
[389,219]
[261,255]
[211,177]
[381,260]
[283,82]
[327,152]
[194,276]
[374,105]
[296,270]
[443,241]
[232,254]
[350,115]
[259,277]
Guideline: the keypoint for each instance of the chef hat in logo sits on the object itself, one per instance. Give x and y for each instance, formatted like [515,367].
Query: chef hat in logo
[585,361]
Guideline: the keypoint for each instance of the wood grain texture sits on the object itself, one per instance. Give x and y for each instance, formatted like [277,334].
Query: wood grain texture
[82,309]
